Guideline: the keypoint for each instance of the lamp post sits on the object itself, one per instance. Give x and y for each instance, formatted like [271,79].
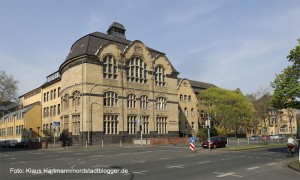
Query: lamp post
[89,119]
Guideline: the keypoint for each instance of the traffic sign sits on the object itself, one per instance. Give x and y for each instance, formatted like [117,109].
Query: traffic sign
[55,124]
[192,139]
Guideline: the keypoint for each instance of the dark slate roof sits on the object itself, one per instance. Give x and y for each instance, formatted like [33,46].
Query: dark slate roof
[117,25]
[89,44]
[197,85]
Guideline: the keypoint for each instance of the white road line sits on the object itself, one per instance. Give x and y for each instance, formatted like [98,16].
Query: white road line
[21,162]
[178,166]
[271,164]
[225,159]
[137,172]
[81,153]
[248,169]
[164,158]
[203,162]
[99,165]
[73,166]
[190,156]
[63,158]
[82,162]
[96,156]
[143,161]
[227,174]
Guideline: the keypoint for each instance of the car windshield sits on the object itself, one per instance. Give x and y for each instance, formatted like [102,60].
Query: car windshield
[213,139]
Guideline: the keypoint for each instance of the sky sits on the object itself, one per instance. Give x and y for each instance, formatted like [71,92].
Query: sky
[229,43]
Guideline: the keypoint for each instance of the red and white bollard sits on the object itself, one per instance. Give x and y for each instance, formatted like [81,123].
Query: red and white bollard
[192,147]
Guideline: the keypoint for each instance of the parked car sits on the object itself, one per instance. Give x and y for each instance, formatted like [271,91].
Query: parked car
[263,137]
[254,138]
[276,137]
[215,142]
[22,144]
[10,143]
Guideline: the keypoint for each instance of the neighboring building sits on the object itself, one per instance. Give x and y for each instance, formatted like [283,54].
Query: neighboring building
[191,113]
[22,125]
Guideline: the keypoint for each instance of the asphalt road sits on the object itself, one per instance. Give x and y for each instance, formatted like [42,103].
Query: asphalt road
[165,162]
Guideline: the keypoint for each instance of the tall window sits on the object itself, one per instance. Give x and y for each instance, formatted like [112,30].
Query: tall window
[58,92]
[76,98]
[58,109]
[110,99]
[131,101]
[136,70]
[161,103]
[54,110]
[160,76]
[110,124]
[144,102]
[185,112]
[110,67]
[181,98]
[65,101]
[184,97]
[192,112]
[65,121]
[131,124]
[145,124]
[161,123]
[54,93]
[76,124]
[189,98]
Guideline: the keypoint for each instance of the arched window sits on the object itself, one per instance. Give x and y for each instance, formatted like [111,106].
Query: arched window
[65,101]
[185,112]
[184,97]
[161,103]
[76,98]
[110,67]
[110,99]
[181,97]
[131,101]
[189,98]
[160,76]
[192,112]
[144,102]
[136,70]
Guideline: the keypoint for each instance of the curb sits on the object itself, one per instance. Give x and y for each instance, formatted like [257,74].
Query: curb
[291,167]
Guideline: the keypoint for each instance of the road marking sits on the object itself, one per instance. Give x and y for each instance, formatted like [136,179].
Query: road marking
[227,174]
[248,169]
[190,156]
[98,165]
[164,158]
[96,156]
[21,162]
[271,164]
[73,166]
[203,162]
[278,159]
[81,153]
[179,166]
[82,162]
[63,158]
[138,162]
[136,172]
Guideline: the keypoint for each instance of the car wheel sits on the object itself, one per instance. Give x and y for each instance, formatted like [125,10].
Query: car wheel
[215,146]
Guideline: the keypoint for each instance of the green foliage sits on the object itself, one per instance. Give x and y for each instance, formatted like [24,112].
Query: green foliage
[220,131]
[287,84]
[228,109]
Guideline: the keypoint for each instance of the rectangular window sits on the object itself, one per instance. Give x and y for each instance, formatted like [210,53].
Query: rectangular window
[110,124]
[54,93]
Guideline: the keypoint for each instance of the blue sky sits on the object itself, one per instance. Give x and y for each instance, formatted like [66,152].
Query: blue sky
[230,43]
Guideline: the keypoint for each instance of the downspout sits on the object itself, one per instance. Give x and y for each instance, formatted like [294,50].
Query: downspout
[123,111]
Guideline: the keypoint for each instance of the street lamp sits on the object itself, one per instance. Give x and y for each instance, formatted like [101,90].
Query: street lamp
[89,119]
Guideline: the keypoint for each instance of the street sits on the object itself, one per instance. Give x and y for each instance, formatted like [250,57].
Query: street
[133,162]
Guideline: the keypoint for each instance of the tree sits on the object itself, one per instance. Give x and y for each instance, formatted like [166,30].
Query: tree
[261,101]
[287,84]
[8,88]
[229,109]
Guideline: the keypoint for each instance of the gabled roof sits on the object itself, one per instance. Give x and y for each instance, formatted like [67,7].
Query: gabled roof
[24,110]
[196,85]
